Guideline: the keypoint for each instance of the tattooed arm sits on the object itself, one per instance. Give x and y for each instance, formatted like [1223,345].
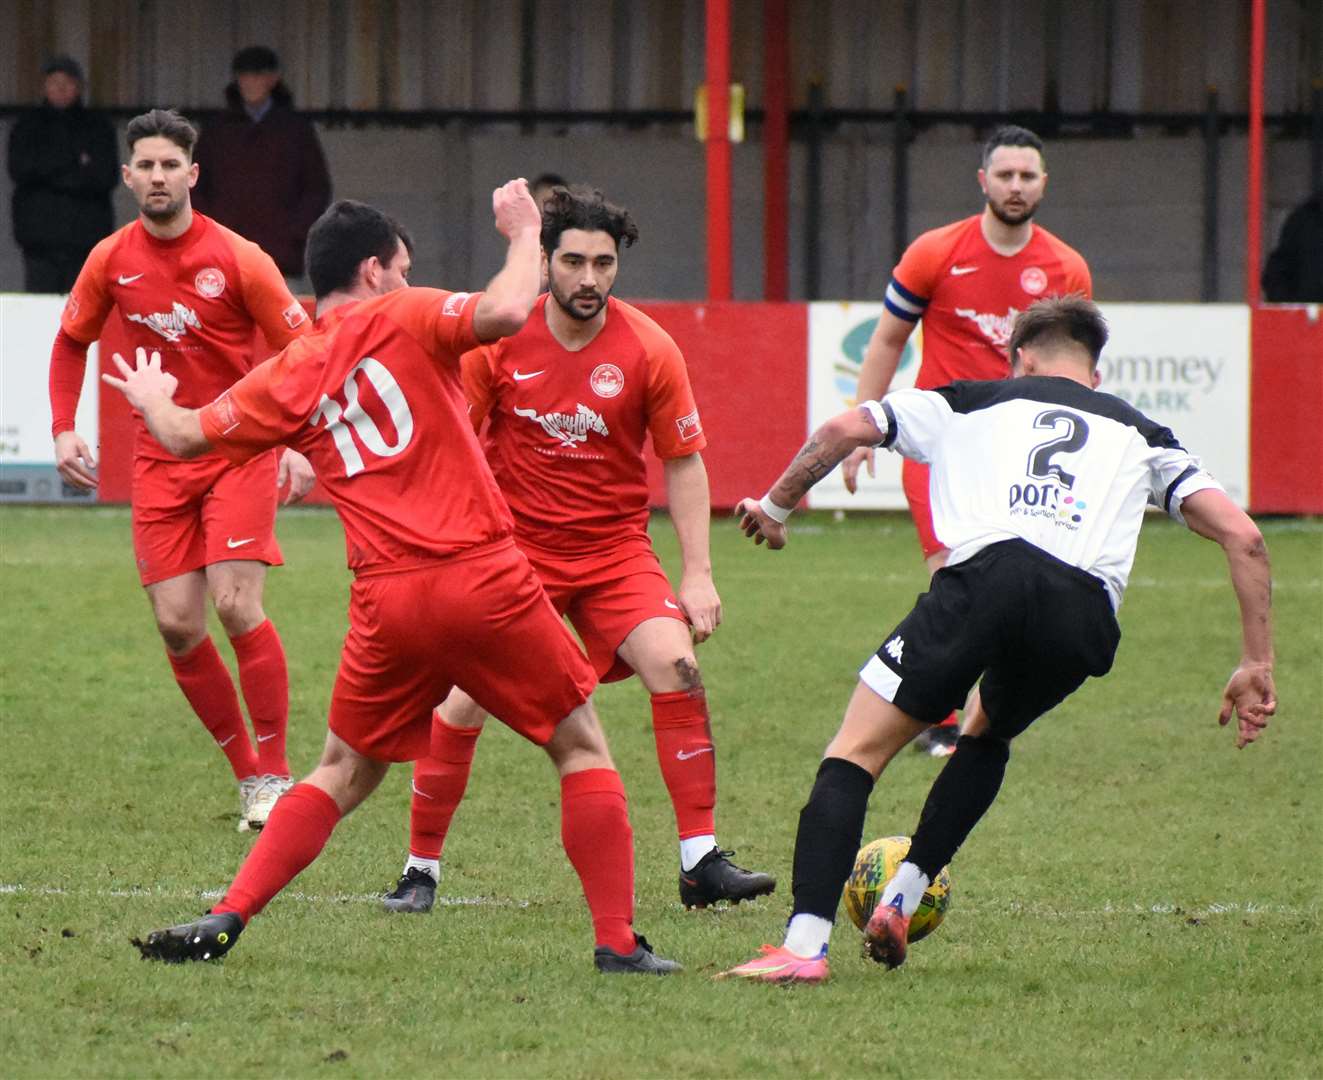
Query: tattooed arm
[827,447]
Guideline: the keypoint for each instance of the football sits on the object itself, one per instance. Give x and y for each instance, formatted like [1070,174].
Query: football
[873,867]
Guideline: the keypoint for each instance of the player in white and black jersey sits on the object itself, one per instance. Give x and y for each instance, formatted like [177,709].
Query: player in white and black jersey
[1039,485]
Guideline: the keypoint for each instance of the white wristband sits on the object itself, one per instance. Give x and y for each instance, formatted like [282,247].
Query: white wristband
[776,513]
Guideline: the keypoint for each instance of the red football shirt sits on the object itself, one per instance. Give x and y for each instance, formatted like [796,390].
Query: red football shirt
[194,299]
[968,296]
[372,397]
[567,427]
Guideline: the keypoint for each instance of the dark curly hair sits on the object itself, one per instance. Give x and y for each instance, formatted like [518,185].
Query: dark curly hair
[584,208]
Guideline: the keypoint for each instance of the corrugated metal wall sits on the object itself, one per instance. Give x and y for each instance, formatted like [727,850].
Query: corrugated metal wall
[981,55]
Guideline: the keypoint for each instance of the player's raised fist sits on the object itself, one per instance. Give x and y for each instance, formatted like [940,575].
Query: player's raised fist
[514,209]
[755,523]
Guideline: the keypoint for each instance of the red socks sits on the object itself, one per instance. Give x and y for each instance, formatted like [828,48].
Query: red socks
[439,781]
[594,827]
[684,749]
[295,834]
[206,683]
[264,680]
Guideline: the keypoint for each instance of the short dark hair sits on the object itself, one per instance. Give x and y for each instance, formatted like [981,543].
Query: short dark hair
[584,208]
[1060,320]
[1013,135]
[168,124]
[547,179]
[343,237]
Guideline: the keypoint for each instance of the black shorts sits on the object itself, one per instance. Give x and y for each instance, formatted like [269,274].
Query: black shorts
[1033,627]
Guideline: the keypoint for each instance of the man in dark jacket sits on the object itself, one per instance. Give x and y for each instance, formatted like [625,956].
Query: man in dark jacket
[1294,273]
[64,165]
[261,169]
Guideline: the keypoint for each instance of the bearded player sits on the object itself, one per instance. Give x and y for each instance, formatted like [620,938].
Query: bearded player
[967,281]
[571,399]
[194,291]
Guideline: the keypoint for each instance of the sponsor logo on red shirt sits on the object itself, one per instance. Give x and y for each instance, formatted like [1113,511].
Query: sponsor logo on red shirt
[607,380]
[454,304]
[690,426]
[227,417]
[209,282]
[172,324]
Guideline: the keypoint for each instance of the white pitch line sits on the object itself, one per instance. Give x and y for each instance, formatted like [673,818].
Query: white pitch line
[215,894]
[1228,907]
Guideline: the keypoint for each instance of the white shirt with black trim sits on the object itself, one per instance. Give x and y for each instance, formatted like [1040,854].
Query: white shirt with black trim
[1043,459]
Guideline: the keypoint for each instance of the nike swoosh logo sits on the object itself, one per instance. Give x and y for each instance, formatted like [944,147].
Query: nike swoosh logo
[128,280]
[222,743]
[520,376]
[669,604]
[956,271]
[414,787]
[233,543]
[686,755]
[264,738]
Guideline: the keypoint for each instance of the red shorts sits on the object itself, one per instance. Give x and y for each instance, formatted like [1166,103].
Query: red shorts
[479,621]
[914,479]
[190,514]
[605,596]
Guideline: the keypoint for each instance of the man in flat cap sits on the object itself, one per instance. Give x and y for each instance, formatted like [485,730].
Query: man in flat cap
[262,172]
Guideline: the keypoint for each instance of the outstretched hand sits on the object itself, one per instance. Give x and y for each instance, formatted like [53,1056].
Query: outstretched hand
[754,522]
[144,381]
[860,455]
[1250,695]
[515,209]
[295,472]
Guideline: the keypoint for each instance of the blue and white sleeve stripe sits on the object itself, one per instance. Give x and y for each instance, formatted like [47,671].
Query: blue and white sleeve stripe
[904,304]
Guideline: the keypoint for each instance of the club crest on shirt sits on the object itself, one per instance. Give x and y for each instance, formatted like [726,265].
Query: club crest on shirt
[607,380]
[209,282]
[1033,280]
[294,315]
[690,426]
[569,429]
[71,306]
[172,324]
[996,328]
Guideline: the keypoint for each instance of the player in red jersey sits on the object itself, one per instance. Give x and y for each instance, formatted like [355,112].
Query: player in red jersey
[967,281]
[571,399]
[193,290]
[441,596]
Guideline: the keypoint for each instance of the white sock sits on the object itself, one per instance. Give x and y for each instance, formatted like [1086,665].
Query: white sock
[693,849]
[909,882]
[807,935]
[427,866]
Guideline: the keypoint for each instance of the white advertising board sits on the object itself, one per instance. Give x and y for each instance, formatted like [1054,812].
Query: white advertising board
[28,325]
[1182,365]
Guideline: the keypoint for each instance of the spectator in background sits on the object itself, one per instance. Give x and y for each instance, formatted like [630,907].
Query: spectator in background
[262,172]
[63,162]
[542,187]
[1294,273]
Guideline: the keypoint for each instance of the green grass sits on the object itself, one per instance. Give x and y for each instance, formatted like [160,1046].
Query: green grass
[1143,900]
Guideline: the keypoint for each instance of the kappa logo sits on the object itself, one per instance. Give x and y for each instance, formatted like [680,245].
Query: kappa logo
[294,315]
[209,282]
[454,303]
[607,380]
[1033,280]
[996,328]
[895,648]
[569,429]
[172,324]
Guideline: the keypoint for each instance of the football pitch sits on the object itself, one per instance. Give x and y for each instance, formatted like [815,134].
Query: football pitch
[1143,900]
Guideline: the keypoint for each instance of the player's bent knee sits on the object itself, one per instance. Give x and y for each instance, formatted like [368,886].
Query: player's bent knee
[989,746]
[686,668]
[180,635]
[579,743]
